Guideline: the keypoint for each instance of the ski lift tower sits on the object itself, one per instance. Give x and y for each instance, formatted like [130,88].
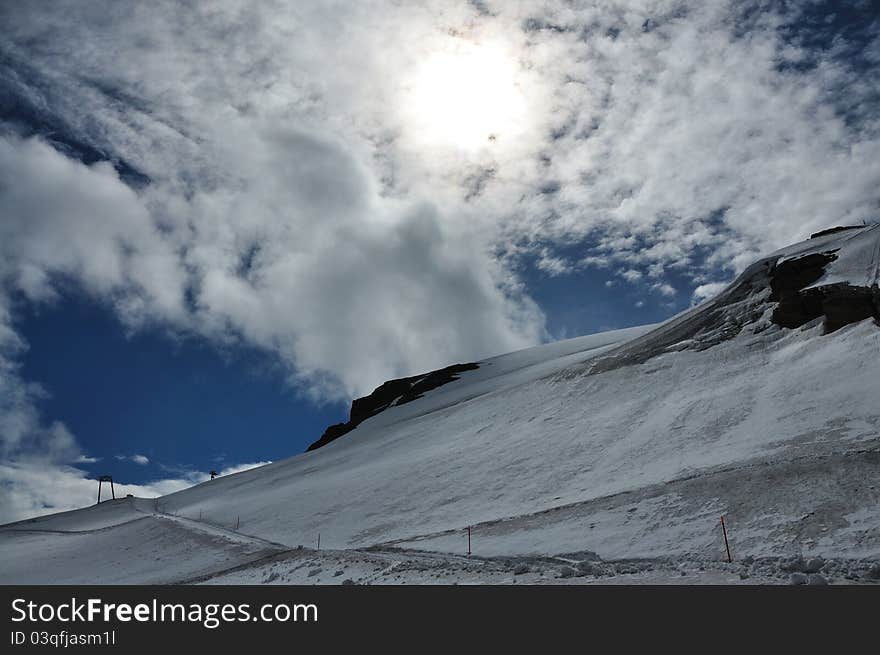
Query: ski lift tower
[102,480]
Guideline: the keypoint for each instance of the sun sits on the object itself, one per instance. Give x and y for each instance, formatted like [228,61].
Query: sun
[467,97]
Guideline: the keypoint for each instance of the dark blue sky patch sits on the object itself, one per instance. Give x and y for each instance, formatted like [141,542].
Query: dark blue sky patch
[581,302]
[247,259]
[178,401]
[844,27]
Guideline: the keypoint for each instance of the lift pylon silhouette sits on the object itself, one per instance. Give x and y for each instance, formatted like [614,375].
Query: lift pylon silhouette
[102,480]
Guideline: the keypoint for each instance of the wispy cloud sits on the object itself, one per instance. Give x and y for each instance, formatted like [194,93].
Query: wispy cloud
[664,288]
[143,460]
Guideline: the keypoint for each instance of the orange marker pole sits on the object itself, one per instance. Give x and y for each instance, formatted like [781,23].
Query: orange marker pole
[726,545]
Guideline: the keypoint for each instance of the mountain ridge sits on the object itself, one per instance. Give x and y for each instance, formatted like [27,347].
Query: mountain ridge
[627,444]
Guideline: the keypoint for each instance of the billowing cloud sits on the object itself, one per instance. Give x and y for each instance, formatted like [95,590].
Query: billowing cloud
[348,287]
[707,291]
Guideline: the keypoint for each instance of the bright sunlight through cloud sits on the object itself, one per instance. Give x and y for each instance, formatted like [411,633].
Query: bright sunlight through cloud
[467,97]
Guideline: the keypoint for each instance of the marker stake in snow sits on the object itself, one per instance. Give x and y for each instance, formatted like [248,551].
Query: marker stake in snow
[726,545]
[237,522]
[469,540]
[319,541]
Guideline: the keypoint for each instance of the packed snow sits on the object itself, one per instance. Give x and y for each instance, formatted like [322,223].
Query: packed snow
[607,458]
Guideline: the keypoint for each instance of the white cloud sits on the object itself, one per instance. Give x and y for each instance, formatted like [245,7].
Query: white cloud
[143,460]
[707,291]
[552,265]
[691,137]
[349,288]
[33,487]
[62,218]
[298,211]
[664,288]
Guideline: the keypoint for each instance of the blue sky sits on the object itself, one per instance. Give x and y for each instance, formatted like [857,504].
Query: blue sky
[217,226]
[181,402]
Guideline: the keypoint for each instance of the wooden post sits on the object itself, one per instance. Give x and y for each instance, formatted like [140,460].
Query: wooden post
[237,522]
[726,544]
[469,541]
[319,541]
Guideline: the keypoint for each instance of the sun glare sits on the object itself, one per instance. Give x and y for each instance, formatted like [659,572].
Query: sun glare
[467,97]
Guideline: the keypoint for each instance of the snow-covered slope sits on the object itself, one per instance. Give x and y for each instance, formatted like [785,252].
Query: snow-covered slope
[858,256]
[627,444]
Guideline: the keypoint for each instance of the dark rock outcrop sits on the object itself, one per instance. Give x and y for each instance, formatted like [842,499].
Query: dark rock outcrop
[840,304]
[393,392]
[843,304]
[786,282]
[744,302]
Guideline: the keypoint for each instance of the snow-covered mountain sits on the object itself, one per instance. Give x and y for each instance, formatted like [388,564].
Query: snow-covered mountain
[607,455]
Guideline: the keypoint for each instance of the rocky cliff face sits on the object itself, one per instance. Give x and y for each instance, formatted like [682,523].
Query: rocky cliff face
[392,392]
[840,304]
[833,276]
